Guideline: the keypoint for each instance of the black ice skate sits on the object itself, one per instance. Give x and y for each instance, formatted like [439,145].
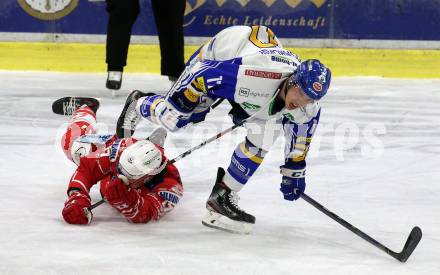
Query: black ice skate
[69,104]
[114,80]
[223,211]
[129,118]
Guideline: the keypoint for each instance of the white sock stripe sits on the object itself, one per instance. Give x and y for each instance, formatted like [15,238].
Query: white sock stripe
[100,168]
[128,213]
[128,216]
[232,183]
[85,118]
[77,194]
[73,176]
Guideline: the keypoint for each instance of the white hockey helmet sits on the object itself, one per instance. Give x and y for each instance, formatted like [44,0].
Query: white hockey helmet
[140,159]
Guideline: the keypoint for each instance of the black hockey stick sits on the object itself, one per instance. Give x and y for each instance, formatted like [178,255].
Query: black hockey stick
[413,239]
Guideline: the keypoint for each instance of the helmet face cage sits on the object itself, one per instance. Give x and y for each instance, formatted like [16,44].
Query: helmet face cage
[292,81]
[124,172]
[141,159]
[134,181]
[130,177]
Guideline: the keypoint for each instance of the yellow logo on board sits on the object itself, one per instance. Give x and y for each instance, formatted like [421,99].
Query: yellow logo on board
[48,9]
[291,3]
[311,22]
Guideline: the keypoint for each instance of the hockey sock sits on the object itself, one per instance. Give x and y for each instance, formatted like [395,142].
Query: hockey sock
[244,162]
[83,122]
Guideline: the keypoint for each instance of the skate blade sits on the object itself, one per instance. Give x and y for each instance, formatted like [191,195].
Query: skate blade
[158,136]
[217,221]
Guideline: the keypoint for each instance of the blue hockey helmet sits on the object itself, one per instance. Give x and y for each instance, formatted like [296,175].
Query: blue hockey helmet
[313,78]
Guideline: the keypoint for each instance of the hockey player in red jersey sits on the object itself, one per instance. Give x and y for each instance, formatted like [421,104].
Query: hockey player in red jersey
[135,176]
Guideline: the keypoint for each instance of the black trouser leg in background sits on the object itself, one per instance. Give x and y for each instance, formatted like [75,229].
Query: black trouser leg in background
[168,15]
[122,15]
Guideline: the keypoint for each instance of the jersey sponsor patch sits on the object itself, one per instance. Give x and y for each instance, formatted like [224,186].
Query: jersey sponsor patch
[191,95]
[171,198]
[281,59]
[317,86]
[289,116]
[244,92]
[247,105]
[279,52]
[242,168]
[114,150]
[199,84]
[263,74]
[95,138]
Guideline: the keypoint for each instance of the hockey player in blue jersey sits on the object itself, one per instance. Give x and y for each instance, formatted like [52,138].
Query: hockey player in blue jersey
[263,82]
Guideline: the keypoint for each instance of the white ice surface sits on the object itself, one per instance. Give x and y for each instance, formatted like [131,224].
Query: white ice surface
[383,192]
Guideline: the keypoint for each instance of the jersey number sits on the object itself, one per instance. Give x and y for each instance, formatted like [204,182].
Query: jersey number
[271,42]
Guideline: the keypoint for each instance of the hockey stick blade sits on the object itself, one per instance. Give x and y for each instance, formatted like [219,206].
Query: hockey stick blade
[67,105]
[411,243]
[414,237]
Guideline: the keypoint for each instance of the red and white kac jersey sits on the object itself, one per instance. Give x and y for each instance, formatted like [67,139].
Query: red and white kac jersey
[158,196]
